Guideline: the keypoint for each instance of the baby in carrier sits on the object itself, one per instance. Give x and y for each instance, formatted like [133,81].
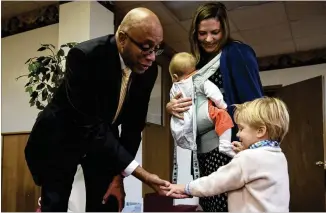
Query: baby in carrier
[183,70]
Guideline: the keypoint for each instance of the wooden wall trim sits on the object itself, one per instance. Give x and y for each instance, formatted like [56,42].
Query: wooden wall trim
[16,133]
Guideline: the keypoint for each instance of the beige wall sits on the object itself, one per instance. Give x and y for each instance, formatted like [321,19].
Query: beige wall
[16,113]
[292,75]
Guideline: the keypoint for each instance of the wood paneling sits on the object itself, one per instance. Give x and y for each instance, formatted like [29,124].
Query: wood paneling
[19,193]
[157,141]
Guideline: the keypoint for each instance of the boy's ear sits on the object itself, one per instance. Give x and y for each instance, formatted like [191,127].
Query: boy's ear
[261,132]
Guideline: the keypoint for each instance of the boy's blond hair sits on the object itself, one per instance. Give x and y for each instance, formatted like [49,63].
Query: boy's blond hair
[180,62]
[266,111]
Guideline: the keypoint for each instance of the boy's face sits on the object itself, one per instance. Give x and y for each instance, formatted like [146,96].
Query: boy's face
[248,135]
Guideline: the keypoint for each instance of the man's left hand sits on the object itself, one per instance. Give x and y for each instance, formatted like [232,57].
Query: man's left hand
[116,189]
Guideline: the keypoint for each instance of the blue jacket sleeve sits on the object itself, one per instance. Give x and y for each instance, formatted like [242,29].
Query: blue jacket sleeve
[244,70]
[242,81]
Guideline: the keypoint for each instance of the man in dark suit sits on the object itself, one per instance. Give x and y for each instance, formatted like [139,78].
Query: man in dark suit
[108,83]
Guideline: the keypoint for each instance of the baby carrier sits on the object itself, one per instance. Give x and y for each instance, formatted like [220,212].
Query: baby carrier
[185,136]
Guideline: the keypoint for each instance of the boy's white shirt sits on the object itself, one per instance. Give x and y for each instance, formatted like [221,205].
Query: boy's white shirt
[256,181]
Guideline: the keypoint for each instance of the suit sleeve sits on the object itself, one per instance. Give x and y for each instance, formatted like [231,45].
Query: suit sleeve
[134,119]
[245,73]
[81,95]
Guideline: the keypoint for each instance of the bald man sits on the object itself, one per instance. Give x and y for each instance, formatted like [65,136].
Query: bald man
[80,125]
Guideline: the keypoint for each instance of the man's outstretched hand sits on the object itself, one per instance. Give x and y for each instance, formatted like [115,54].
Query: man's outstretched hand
[155,182]
[159,185]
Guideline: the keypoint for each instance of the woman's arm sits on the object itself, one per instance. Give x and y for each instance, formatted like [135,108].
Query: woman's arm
[242,64]
[178,105]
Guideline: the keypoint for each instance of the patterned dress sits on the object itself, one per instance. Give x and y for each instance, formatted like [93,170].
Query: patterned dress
[210,162]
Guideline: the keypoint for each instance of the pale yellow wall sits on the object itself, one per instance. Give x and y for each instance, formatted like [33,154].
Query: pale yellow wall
[16,114]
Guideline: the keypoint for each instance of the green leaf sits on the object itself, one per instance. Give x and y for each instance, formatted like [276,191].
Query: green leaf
[42,48]
[38,104]
[47,76]
[28,61]
[42,70]
[27,84]
[41,58]
[49,98]
[46,61]
[32,102]
[29,90]
[61,52]
[44,94]
[40,86]
[31,67]
[49,87]
[34,94]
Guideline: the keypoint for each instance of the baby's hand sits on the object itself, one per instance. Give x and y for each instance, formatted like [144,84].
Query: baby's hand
[237,146]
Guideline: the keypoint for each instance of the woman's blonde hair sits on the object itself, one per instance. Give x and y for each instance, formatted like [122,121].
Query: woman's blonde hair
[214,10]
[180,62]
[266,111]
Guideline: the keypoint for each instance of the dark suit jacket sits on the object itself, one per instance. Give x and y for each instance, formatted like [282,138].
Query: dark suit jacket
[83,107]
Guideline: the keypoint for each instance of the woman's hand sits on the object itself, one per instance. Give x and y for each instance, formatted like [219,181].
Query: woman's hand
[178,105]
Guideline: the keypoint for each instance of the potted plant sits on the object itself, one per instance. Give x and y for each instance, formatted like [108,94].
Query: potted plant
[45,74]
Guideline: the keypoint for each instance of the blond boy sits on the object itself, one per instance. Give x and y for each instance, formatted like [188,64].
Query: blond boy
[257,178]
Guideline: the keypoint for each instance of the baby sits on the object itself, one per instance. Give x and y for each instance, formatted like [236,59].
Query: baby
[257,178]
[182,68]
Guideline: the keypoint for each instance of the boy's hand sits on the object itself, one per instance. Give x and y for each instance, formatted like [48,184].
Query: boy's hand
[237,146]
[175,190]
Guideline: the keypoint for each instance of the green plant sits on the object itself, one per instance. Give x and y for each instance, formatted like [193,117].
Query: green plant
[45,74]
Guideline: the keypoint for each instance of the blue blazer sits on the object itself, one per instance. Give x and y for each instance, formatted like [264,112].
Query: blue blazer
[240,74]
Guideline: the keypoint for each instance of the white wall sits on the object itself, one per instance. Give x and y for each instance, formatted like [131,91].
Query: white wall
[101,22]
[16,113]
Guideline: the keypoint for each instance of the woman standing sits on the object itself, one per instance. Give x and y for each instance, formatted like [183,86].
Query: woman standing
[237,77]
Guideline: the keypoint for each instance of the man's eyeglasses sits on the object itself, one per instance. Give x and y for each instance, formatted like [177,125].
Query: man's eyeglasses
[144,50]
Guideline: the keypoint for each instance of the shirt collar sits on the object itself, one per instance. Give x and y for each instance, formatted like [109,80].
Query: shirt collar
[123,65]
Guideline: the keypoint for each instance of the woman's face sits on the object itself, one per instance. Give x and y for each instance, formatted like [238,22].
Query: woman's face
[209,34]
